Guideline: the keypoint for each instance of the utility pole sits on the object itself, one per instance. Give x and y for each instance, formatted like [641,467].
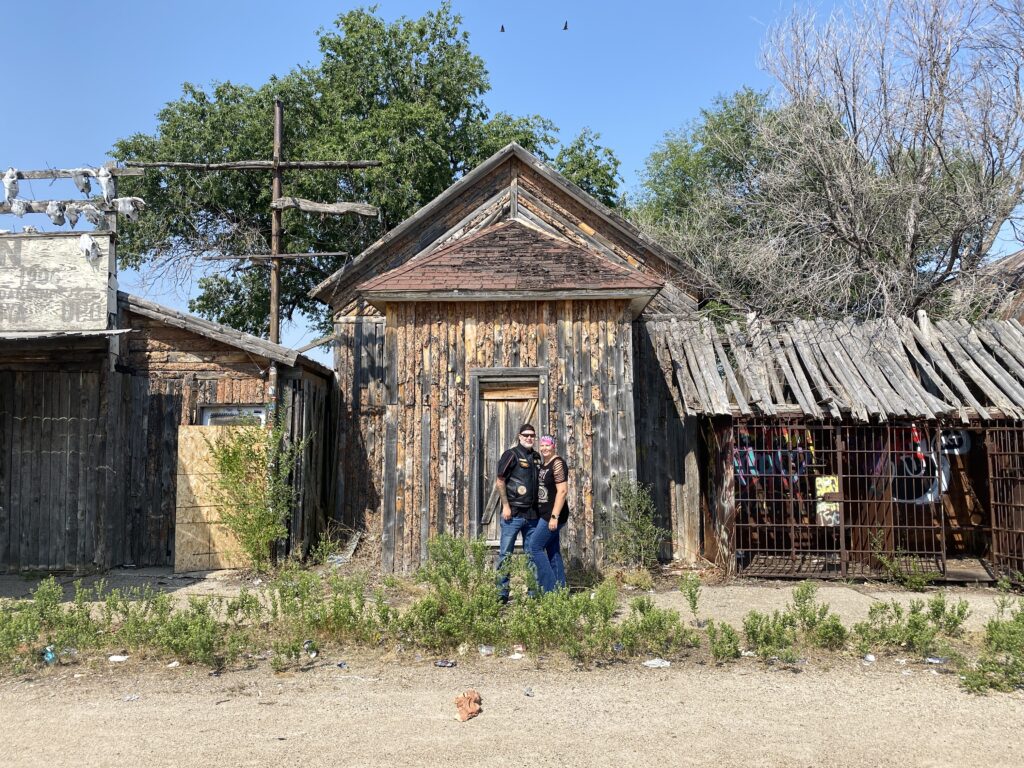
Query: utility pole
[278,203]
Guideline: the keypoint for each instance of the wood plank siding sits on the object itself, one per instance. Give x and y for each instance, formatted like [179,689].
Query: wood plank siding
[89,440]
[410,387]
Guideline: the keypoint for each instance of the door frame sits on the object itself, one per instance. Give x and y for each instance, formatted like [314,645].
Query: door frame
[478,379]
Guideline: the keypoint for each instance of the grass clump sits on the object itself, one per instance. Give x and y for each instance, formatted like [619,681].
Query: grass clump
[652,630]
[635,540]
[724,642]
[771,636]
[1000,667]
[921,629]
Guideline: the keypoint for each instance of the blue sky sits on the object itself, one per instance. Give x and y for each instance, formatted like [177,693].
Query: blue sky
[80,75]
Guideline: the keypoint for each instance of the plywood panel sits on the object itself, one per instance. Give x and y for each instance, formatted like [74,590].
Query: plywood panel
[200,542]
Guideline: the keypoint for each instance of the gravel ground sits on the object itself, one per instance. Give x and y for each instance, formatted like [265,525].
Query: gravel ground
[399,710]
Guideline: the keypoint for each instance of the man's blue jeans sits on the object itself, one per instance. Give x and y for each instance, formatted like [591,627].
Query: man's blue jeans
[510,531]
[545,551]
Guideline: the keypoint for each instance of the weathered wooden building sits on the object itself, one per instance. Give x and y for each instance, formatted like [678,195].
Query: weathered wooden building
[94,385]
[849,449]
[803,449]
[511,297]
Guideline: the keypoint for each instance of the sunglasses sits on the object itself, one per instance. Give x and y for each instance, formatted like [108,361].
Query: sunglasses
[528,435]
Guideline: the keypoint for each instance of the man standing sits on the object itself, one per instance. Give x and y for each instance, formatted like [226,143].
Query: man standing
[516,484]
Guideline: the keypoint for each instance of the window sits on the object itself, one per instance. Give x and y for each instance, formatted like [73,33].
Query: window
[227,415]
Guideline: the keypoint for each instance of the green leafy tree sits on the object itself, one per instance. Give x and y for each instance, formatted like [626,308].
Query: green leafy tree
[592,167]
[715,150]
[408,93]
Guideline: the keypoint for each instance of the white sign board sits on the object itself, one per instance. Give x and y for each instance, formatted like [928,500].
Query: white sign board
[48,284]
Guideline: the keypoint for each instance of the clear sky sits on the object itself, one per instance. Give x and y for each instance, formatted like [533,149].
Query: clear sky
[79,75]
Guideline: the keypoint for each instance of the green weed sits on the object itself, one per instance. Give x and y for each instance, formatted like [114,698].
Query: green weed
[919,629]
[723,641]
[771,636]
[652,630]
[689,585]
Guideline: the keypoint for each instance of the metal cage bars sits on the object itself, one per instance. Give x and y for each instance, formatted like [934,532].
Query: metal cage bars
[835,500]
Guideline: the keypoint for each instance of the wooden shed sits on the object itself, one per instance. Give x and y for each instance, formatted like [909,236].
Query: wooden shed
[94,386]
[511,297]
[847,449]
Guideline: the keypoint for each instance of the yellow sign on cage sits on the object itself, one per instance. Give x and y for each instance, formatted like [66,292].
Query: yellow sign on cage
[826,489]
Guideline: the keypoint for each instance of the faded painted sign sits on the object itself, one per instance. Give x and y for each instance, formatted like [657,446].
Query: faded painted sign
[48,284]
[826,488]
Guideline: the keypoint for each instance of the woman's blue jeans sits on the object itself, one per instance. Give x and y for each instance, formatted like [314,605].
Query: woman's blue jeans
[545,550]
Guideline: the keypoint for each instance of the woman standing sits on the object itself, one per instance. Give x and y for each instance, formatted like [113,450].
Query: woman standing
[552,491]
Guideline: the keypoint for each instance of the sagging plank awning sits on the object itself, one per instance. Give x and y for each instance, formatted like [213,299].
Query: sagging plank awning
[863,371]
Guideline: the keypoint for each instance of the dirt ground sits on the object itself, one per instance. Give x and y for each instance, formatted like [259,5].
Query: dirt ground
[399,710]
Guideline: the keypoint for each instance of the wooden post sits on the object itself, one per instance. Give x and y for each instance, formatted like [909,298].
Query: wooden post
[275,250]
[275,226]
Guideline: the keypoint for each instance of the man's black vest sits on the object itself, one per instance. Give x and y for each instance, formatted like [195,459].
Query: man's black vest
[521,484]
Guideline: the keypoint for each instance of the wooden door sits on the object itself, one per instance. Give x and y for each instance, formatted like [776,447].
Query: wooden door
[504,410]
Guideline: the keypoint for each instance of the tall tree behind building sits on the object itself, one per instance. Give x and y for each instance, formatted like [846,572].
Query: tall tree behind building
[880,179]
[408,93]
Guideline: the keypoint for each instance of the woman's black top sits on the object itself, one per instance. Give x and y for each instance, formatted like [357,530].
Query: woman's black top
[555,471]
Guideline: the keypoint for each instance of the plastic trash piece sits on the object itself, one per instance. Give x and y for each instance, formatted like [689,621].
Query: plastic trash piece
[618,647]
[518,648]
[342,665]
[869,658]
[936,660]
[117,658]
[657,663]
[310,648]
[445,663]
[747,654]
[468,705]
[486,650]
[49,656]
[132,697]
[516,656]
[174,665]
[528,692]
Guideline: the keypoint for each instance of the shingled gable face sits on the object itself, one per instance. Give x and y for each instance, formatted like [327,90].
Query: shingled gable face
[555,221]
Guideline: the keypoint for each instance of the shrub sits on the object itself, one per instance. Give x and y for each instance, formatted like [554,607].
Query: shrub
[771,636]
[689,585]
[649,629]
[1001,664]
[918,629]
[462,604]
[635,540]
[820,627]
[254,467]
[194,634]
[723,641]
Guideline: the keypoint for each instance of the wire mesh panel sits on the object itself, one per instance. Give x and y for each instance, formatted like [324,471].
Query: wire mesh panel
[1006,493]
[831,501]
